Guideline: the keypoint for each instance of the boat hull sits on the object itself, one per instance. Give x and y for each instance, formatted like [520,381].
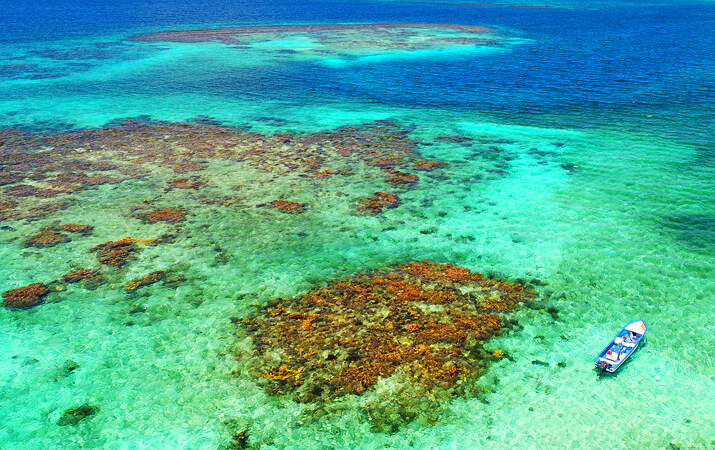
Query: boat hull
[621,347]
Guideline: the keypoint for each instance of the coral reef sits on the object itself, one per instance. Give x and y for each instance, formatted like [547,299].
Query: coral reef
[146,280]
[35,167]
[117,253]
[390,33]
[25,297]
[46,238]
[51,236]
[377,203]
[397,177]
[186,183]
[79,275]
[169,215]
[423,320]
[288,207]
[430,165]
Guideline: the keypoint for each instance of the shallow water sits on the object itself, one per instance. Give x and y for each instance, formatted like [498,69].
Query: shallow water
[588,167]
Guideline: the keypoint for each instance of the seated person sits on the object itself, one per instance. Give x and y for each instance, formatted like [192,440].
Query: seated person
[628,342]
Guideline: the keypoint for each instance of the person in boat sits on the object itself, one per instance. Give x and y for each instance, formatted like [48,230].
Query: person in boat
[629,341]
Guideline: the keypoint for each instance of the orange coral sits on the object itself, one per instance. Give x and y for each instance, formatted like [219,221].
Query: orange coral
[288,207]
[117,253]
[285,374]
[356,330]
[377,203]
[397,177]
[46,238]
[146,280]
[185,183]
[79,275]
[25,297]
[430,165]
[50,236]
[169,215]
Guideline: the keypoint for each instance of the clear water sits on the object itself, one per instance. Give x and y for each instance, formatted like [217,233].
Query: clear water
[603,188]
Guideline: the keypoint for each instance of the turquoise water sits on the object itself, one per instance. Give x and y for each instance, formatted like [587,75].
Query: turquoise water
[594,176]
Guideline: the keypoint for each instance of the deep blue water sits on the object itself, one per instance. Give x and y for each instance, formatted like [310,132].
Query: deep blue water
[604,60]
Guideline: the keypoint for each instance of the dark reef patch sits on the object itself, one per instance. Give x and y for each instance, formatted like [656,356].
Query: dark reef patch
[694,231]
[74,416]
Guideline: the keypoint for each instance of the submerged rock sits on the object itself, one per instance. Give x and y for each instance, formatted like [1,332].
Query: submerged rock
[25,297]
[75,415]
[423,320]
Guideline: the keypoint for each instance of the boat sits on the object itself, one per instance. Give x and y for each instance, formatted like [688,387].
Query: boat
[621,347]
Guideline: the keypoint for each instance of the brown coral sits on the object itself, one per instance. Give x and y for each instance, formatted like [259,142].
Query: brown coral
[75,228]
[146,280]
[430,165]
[25,297]
[428,320]
[51,236]
[169,215]
[377,203]
[79,275]
[46,238]
[288,207]
[117,253]
[397,177]
[185,183]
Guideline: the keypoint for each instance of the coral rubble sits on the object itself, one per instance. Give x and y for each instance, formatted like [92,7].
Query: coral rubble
[25,297]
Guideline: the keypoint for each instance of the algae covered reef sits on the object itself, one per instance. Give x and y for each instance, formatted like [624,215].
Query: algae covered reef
[424,324]
[317,40]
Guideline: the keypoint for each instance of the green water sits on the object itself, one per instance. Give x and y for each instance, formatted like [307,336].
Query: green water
[617,224]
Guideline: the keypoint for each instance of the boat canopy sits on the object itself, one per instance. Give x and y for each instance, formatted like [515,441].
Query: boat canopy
[637,327]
